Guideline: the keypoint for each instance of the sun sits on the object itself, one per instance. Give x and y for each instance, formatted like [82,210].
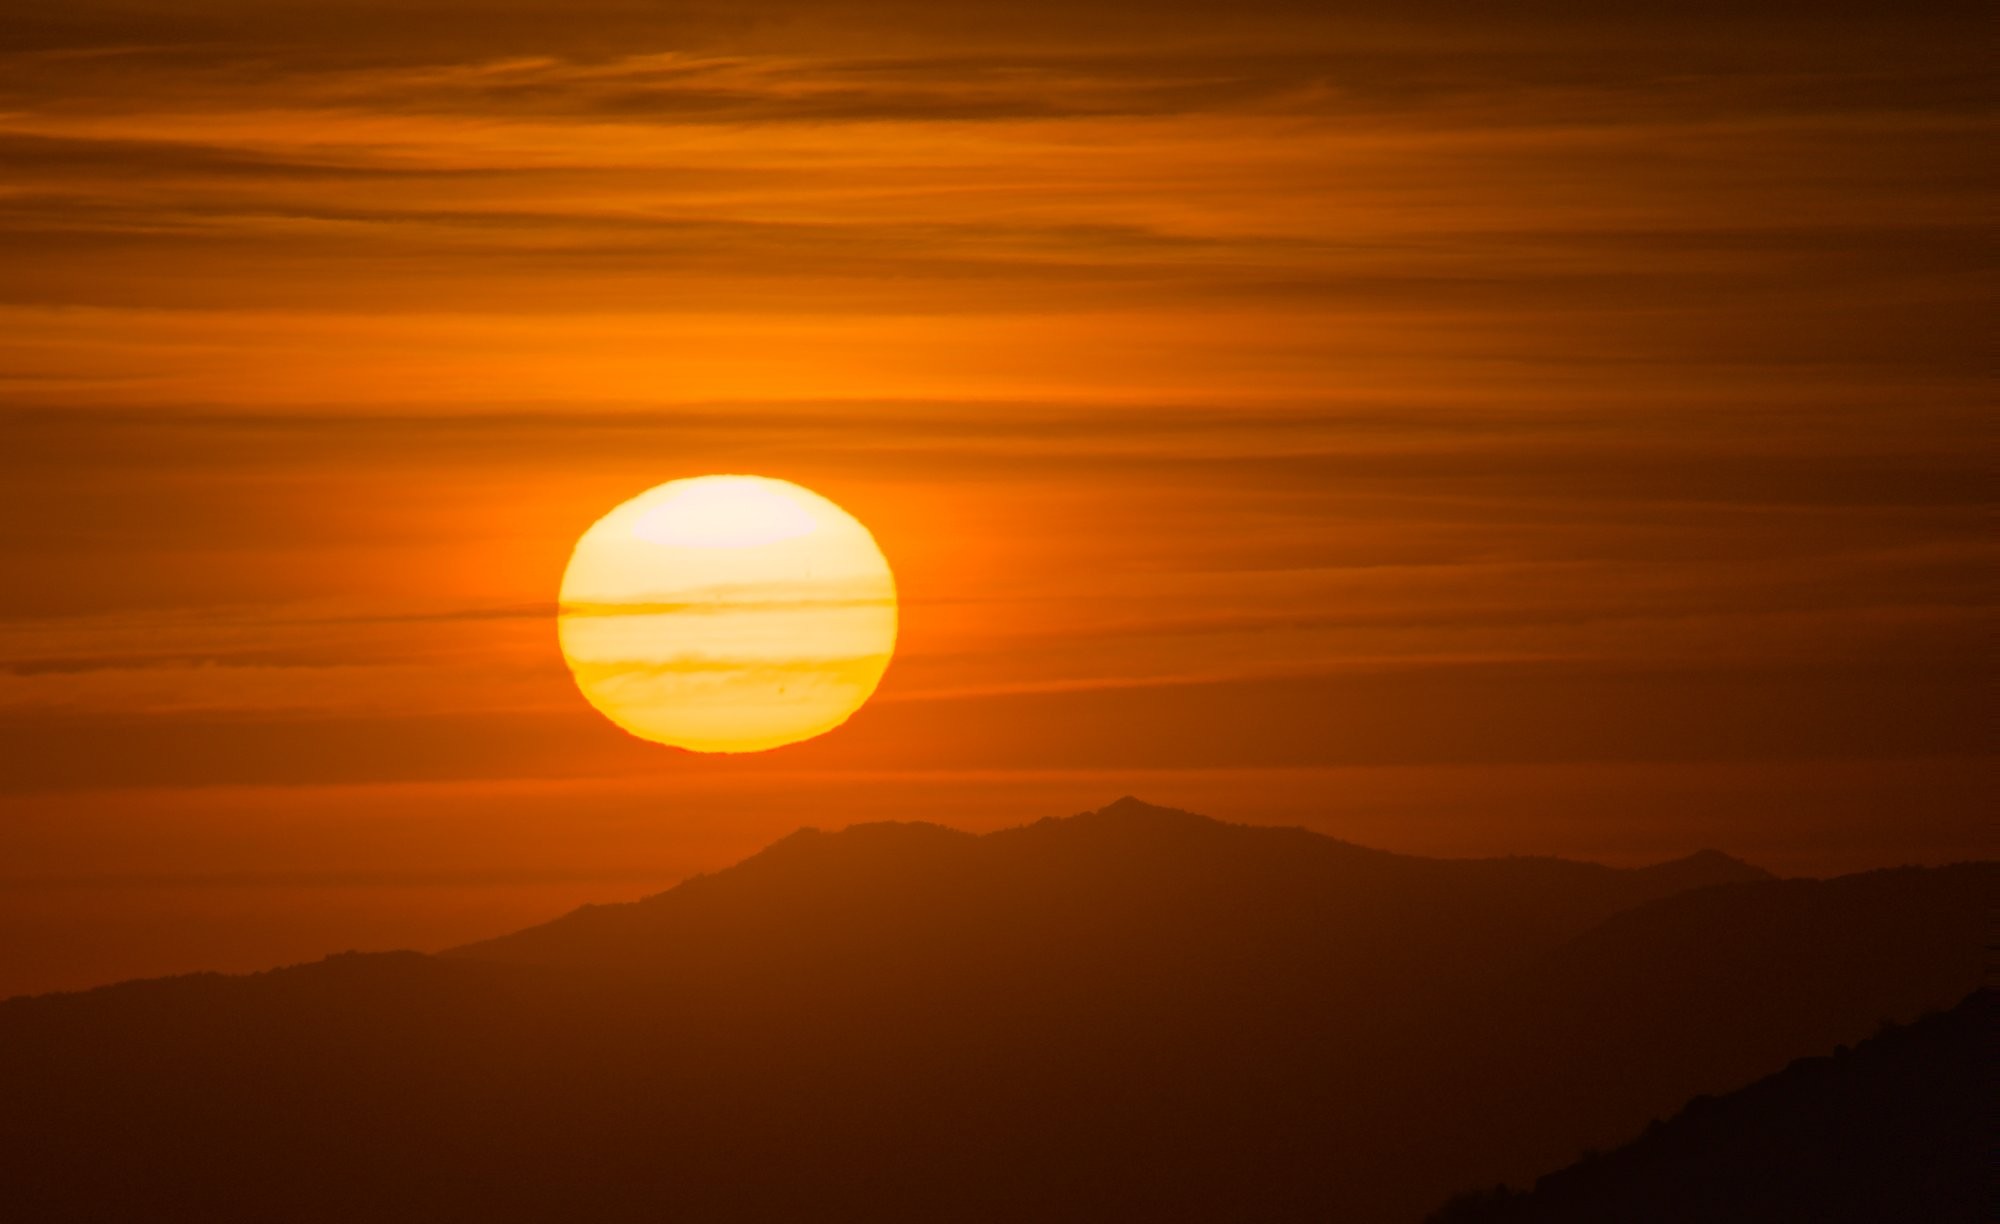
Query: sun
[727,614]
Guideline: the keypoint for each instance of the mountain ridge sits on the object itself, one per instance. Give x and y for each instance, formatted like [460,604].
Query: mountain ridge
[1165,1017]
[1891,1128]
[1125,818]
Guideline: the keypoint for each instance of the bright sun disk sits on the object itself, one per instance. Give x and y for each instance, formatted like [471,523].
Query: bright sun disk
[727,614]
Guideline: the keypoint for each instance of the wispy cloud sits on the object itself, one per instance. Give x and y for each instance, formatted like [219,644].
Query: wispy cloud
[1166,349]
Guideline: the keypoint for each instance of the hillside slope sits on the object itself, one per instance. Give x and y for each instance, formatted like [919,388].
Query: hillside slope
[1898,1128]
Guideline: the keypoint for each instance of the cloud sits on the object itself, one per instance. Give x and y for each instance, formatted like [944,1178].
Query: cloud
[1172,349]
[1550,713]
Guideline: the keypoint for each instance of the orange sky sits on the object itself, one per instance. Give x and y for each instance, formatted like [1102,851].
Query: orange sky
[1559,435]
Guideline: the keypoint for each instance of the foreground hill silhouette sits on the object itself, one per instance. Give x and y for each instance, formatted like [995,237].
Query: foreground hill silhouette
[1134,1013]
[1899,1128]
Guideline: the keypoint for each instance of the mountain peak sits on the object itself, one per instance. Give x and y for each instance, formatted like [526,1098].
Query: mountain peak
[1708,867]
[1131,807]
[1714,856]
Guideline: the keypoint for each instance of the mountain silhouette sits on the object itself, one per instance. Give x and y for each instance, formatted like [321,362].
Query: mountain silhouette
[1090,876]
[1899,1128]
[1134,1013]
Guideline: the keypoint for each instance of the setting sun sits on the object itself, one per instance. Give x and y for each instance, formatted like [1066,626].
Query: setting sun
[728,614]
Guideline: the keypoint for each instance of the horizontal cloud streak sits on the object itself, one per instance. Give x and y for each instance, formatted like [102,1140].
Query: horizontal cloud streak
[1548,713]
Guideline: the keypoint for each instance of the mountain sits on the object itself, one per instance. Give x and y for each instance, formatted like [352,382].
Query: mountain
[1089,878]
[1133,1013]
[1898,1128]
[1706,990]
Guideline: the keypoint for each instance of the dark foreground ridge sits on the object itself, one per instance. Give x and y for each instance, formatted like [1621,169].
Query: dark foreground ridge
[1899,1128]
[1131,1014]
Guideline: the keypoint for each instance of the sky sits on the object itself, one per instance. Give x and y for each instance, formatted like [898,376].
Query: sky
[1565,433]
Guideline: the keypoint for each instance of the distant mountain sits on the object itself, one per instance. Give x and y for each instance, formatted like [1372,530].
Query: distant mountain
[1134,1013]
[1089,877]
[1899,1128]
